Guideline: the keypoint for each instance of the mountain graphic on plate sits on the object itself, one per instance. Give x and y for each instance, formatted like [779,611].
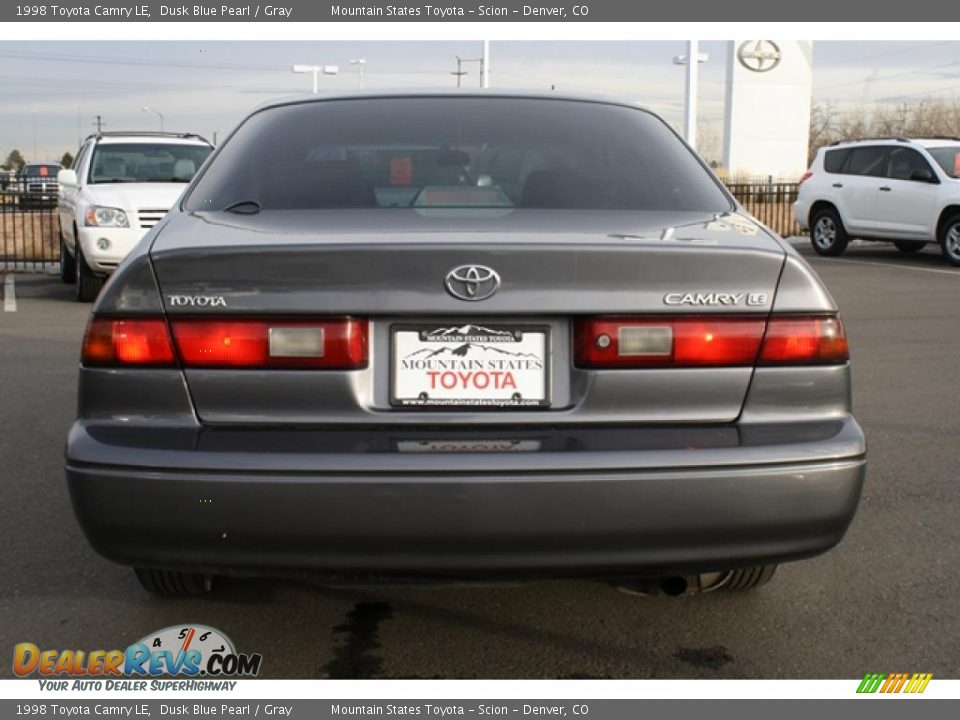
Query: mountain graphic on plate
[467,330]
[462,350]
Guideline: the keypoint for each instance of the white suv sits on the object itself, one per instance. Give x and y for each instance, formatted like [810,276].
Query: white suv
[906,191]
[122,185]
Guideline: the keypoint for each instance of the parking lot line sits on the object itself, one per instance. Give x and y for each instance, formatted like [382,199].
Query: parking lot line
[9,294]
[830,261]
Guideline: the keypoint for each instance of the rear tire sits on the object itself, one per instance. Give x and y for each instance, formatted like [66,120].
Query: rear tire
[909,246]
[827,234]
[68,269]
[88,284]
[171,583]
[950,240]
[749,578]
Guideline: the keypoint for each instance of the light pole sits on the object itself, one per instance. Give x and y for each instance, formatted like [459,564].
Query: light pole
[155,112]
[690,115]
[485,65]
[316,70]
[361,64]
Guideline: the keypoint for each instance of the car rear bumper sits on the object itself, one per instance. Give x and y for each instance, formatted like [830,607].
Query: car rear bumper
[801,213]
[559,511]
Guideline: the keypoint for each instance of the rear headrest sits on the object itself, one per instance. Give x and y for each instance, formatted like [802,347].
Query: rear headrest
[328,184]
[184,169]
[113,167]
[557,188]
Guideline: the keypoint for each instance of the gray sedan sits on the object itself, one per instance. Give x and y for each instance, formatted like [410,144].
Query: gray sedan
[460,336]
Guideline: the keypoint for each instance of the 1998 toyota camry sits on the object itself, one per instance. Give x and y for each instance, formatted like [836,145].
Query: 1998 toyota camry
[462,337]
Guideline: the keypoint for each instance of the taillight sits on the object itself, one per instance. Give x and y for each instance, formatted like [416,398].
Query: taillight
[131,341]
[339,343]
[644,342]
[667,342]
[333,344]
[803,178]
[804,341]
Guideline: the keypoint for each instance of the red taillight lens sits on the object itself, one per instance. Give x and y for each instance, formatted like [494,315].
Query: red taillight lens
[111,341]
[708,342]
[667,342]
[252,343]
[804,341]
[803,178]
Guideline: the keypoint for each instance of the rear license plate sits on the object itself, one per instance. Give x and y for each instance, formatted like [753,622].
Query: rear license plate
[470,365]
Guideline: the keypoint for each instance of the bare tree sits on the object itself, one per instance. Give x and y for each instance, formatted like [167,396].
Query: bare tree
[927,118]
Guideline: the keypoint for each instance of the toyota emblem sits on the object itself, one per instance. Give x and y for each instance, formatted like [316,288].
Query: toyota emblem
[472,282]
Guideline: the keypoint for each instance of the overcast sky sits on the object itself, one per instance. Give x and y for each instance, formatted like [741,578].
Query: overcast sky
[50,92]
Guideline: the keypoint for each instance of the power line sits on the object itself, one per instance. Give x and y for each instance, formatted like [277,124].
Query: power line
[888,77]
[895,51]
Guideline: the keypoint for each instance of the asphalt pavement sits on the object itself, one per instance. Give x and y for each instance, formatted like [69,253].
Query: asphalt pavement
[885,600]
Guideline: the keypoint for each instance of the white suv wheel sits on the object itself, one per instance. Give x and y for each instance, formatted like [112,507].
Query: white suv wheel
[950,240]
[825,232]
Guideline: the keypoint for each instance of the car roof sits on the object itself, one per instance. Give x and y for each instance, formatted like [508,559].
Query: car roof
[146,137]
[921,141]
[454,93]
[937,142]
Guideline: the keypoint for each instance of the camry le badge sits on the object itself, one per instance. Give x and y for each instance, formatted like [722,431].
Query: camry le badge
[713,299]
[472,282]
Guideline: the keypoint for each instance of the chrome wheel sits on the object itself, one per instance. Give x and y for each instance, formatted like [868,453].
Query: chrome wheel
[951,242]
[949,238]
[825,232]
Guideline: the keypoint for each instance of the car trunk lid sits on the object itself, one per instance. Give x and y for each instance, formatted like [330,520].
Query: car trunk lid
[391,267]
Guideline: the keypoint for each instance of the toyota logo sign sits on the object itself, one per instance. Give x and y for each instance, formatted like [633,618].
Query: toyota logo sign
[472,282]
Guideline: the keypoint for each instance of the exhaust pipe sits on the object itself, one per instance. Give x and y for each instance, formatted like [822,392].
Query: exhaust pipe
[674,585]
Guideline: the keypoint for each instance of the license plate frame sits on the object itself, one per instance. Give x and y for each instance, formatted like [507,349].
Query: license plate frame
[520,333]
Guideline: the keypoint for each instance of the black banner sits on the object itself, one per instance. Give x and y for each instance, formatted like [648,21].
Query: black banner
[186,707]
[495,11]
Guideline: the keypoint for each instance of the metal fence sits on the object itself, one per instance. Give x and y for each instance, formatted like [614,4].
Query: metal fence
[30,229]
[771,202]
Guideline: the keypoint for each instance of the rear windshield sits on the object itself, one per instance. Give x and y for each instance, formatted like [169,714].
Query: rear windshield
[948,158]
[146,162]
[456,153]
[41,171]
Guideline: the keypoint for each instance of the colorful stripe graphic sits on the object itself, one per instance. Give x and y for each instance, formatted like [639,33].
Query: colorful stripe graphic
[895,683]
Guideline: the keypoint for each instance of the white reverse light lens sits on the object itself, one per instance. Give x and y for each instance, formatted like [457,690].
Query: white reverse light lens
[645,340]
[106,217]
[296,341]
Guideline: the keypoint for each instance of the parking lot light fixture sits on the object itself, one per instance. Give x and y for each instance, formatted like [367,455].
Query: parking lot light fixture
[690,105]
[155,112]
[316,70]
[361,64]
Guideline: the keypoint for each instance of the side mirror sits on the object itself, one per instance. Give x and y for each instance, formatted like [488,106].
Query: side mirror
[67,178]
[923,175]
